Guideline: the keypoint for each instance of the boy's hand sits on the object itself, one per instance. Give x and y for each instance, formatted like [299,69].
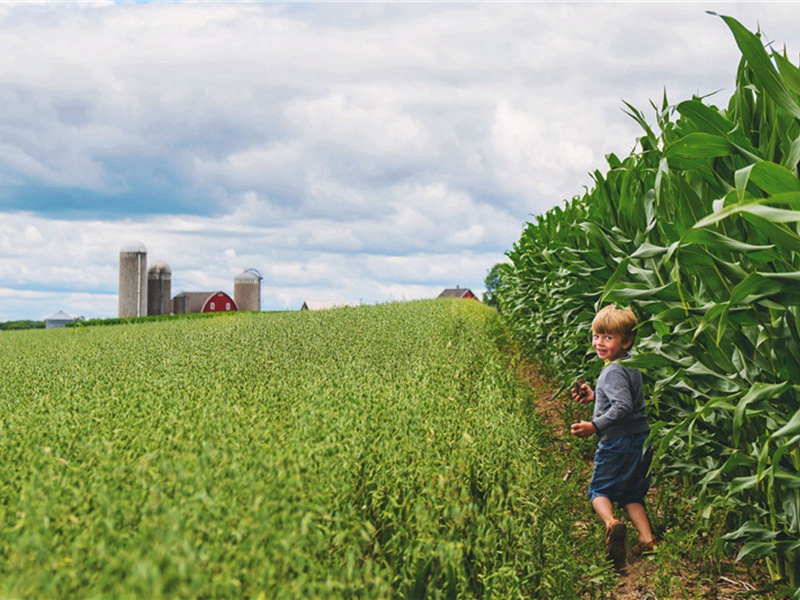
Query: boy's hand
[582,429]
[582,392]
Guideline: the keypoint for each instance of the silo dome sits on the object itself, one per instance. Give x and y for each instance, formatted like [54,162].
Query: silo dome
[133,247]
[160,267]
[247,290]
[247,276]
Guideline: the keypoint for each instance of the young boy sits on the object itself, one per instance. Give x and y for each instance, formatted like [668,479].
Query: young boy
[620,465]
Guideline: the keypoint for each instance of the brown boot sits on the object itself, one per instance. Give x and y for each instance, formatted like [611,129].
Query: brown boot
[644,548]
[615,544]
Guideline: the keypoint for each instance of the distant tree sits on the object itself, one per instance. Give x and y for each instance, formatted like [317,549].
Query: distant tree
[494,283]
[17,325]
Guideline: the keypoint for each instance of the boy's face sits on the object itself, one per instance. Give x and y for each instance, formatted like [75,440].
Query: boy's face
[609,346]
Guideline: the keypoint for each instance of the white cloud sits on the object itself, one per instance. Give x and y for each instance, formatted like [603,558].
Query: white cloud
[357,152]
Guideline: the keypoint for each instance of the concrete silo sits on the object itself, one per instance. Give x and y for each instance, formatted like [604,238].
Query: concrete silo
[132,280]
[159,289]
[247,290]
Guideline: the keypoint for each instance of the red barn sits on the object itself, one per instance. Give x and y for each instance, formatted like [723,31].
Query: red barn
[202,302]
[458,293]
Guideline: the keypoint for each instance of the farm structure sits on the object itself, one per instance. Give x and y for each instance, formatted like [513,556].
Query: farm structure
[144,291]
[321,305]
[202,302]
[60,319]
[458,292]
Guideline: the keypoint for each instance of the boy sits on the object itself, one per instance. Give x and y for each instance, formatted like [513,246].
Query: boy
[620,466]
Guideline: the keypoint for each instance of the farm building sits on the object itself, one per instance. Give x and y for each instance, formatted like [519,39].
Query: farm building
[321,305]
[133,280]
[202,302]
[458,292]
[247,290]
[144,291]
[60,319]
[159,289]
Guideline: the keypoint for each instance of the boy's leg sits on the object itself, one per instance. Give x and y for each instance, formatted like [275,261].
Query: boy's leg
[615,532]
[604,509]
[639,519]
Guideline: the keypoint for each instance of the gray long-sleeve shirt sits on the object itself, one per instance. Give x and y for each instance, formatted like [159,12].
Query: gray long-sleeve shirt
[619,402]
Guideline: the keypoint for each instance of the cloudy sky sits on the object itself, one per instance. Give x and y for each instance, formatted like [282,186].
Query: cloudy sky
[354,152]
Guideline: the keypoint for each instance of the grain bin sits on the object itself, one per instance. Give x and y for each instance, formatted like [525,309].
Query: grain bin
[247,290]
[132,280]
[159,289]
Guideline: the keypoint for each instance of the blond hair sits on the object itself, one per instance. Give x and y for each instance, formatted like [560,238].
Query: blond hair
[617,321]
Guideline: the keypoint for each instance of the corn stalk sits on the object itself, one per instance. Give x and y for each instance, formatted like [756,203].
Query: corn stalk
[697,230]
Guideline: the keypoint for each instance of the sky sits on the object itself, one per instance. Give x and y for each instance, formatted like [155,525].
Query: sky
[357,152]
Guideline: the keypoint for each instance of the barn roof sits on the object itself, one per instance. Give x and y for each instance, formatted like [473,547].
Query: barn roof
[195,301]
[60,316]
[457,293]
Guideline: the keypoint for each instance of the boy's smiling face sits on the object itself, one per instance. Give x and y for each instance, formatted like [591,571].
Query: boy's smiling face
[610,346]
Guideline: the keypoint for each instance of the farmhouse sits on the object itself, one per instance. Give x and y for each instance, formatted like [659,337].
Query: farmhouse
[202,302]
[458,293]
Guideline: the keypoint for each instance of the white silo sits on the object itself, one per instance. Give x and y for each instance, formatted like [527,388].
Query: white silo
[132,280]
[247,290]
[159,289]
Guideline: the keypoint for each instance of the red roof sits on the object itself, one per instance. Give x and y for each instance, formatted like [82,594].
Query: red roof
[458,293]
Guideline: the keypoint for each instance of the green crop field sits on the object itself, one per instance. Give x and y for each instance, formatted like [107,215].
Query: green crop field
[383,451]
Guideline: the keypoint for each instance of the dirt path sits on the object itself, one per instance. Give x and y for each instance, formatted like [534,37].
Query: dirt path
[644,575]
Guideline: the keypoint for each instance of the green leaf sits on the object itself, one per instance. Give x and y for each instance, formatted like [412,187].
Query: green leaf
[648,251]
[705,118]
[791,428]
[789,72]
[757,393]
[700,145]
[758,208]
[708,237]
[753,287]
[774,178]
[763,69]
[793,156]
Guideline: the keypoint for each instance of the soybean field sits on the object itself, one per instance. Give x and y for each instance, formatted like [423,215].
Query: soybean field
[381,451]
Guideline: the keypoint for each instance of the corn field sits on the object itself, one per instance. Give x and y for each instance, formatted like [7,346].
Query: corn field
[697,231]
[368,452]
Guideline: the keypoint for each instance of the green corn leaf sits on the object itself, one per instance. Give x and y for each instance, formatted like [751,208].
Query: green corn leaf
[756,549]
[763,69]
[668,291]
[793,156]
[647,250]
[784,238]
[751,530]
[700,145]
[774,215]
[705,118]
[789,73]
[739,484]
[774,178]
[791,428]
[757,393]
[758,208]
[708,237]
[753,287]
[786,479]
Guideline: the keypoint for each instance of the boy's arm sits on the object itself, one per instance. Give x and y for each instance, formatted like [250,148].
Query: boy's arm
[583,429]
[617,389]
